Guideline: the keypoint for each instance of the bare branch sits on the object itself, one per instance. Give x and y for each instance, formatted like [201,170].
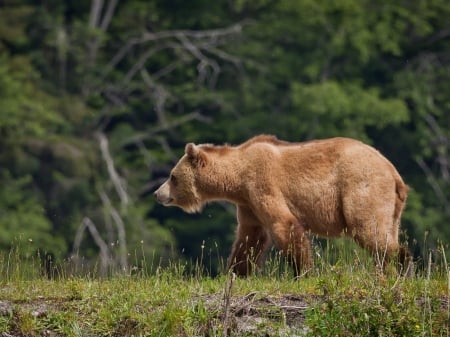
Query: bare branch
[440,35]
[97,22]
[112,96]
[166,70]
[441,143]
[173,124]
[197,34]
[115,178]
[120,54]
[105,257]
[160,95]
[96,12]
[434,184]
[120,230]
[204,60]
[166,147]
[108,15]
[146,154]
[109,227]
[212,35]
[144,57]
[227,57]
[231,277]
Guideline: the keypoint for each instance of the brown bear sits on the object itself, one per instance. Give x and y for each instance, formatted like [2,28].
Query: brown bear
[283,191]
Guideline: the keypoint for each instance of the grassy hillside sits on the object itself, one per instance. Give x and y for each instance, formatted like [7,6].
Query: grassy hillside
[343,296]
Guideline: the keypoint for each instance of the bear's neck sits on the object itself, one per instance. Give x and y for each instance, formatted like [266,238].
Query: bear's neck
[223,179]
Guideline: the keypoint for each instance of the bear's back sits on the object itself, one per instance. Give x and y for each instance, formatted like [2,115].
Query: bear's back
[334,160]
[342,154]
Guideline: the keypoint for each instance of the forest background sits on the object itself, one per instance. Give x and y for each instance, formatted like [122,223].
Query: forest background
[98,98]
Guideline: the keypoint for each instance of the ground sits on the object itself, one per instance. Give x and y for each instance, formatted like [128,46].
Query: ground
[249,314]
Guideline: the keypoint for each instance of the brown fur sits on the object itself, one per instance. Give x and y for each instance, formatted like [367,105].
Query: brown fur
[285,190]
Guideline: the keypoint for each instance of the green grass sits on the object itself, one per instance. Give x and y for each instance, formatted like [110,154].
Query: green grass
[343,296]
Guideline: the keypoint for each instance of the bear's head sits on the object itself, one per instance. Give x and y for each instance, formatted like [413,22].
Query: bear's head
[182,187]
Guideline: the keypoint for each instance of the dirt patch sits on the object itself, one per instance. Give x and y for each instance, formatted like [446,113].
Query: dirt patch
[22,313]
[254,314]
[36,308]
[260,315]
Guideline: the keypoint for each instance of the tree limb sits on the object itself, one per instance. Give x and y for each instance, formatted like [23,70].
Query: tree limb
[173,124]
[95,13]
[204,60]
[160,95]
[105,257]
[211,35]
[197,34]
[97,22]
[115,178]
[108,15]
[121,233]
[144,57]
[441,143]
[434,184]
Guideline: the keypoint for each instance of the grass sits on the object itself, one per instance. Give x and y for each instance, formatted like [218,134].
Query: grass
[343,296]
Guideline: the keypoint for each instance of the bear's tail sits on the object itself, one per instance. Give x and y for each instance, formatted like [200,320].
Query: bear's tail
[401,191]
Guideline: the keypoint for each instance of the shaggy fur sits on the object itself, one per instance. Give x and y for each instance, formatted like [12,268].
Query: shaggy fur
[283,191]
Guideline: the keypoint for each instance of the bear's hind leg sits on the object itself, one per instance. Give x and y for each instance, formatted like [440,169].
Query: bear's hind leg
[382,247]
[250,244]
[370,219]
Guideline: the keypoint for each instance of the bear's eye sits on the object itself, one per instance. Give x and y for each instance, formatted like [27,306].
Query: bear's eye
[173,179]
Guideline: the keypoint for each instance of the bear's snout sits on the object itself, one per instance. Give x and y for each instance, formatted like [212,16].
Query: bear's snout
[162,194]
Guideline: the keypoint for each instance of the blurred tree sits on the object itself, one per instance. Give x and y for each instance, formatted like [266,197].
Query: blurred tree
[117,99]
[98,99]
[22,116]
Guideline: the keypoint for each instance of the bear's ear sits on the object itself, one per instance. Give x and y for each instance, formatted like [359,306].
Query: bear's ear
[195,154]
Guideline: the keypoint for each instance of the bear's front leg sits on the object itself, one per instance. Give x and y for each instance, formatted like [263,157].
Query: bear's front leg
[250,244]
[291,238]
[288,233]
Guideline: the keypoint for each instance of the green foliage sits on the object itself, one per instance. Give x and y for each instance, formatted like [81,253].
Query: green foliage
[26,111]
[363,307]
[334,109]
[23,218]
